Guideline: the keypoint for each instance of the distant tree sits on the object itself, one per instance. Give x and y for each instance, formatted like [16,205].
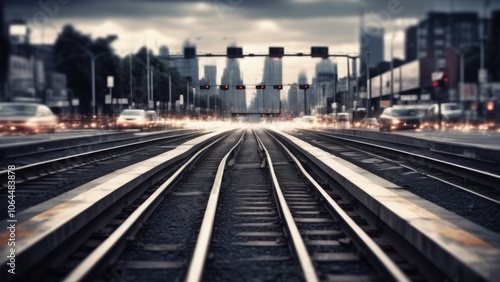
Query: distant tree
[73,51]
[160,72]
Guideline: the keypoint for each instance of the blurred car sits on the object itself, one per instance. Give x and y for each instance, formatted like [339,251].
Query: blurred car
[399,118]
[450,112]
[26,118]
[153,120]
[369,123]
[132,119]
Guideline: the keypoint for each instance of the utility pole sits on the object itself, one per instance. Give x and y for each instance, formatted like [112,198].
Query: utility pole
[369,84]
[152,96]
[169,94]
[305,101]
[348,104]
[147,74]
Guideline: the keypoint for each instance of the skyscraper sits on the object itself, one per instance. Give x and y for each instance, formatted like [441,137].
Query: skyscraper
[324,84]
[302,79]
[187,67]
[293,103]
[210,78]
[431,36]
[233,100]
[371,40]
[269,99]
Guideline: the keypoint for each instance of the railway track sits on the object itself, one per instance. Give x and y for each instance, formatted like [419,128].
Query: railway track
[282,228]
[38,182]
[242,207]
[470,180]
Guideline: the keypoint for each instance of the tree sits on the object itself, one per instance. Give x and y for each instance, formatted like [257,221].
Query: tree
[73,51]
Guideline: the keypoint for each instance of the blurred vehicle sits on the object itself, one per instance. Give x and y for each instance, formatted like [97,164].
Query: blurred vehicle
[308,118]
[450,112]
[340,118]
[369,123]
[153,121]
[358,114]
[26,118]
[399,118]
[132,118]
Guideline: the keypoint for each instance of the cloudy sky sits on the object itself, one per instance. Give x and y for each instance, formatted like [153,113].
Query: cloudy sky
[252,24]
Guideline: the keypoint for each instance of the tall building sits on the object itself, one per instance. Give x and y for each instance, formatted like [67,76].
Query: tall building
[324,85]
[302,79]
[371,40]
[432,35]
[210,78]
[411,43]
[188,68]
[270,98]
[495,45]
[233,100]
[31,71]
[293,103]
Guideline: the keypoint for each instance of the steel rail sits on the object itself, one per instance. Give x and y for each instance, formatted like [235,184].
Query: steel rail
[86,270]
[485,178]
[197,264]
[373,252]
[298,243]
[33,171]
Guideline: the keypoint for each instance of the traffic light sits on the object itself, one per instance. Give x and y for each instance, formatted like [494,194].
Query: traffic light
[189,52]
[319,52]
[261,87]
[234,52]
[224,87]
[279,86]
[276,52]
[439,80]
[240,87]
[444,81]
[204,87]
[304,86]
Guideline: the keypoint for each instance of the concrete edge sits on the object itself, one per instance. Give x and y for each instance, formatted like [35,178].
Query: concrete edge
[40,230]
[462,249]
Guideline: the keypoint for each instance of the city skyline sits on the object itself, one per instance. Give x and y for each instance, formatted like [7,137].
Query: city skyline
[214,25]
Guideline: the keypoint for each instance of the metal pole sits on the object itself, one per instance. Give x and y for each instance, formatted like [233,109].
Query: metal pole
[152,97]
[348,104]
[369,103]
[392,71]
[147,74]
[461,75]
[111,102]
[356,95]
[130,61]
[323,86]
[169,93]
[305,101]
[187,95]
[92,66]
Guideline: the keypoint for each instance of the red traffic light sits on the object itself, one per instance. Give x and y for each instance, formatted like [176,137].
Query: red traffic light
[262,87]
[304,86]
[204,87]
[279,86]
[435,84]
[224,87]
[240,87]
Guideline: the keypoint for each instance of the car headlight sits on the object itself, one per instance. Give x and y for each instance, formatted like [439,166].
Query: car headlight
[395,121]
